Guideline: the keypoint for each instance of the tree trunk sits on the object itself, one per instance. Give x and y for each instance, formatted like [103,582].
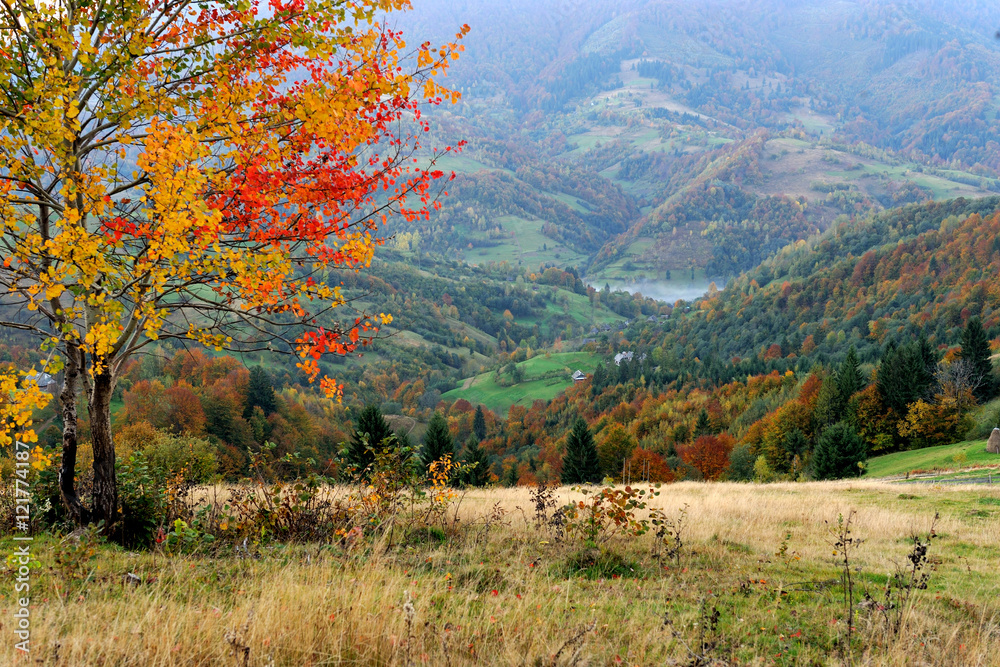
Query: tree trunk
[67,468]
[105,504]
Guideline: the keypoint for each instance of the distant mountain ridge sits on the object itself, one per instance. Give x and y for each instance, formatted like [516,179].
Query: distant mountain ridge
[638,138]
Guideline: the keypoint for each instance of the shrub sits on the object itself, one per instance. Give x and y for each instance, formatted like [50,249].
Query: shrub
[984,420]
[609,512]
[593,563]
[143,501]
[741,464]
[192,458]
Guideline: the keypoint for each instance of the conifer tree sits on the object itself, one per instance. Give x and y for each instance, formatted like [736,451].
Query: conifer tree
[479,424]
[437,441]
[827,408]
[703,426]
[580,464]
[976,351]
[477,462]
[849,378]
[260,392]
[512,475]
[838,453]
[599,380]
[906,374]
[370,434]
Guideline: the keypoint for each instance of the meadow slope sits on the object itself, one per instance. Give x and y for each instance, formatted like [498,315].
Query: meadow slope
[487,586]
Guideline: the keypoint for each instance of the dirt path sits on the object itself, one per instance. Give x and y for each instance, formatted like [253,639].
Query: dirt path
[468,382]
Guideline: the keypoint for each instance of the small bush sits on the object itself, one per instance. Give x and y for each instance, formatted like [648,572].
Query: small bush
[425,535]
[191,457]
[143,500]
[593,563]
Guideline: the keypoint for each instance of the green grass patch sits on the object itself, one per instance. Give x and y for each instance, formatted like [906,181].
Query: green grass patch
[538,384]
[944,457]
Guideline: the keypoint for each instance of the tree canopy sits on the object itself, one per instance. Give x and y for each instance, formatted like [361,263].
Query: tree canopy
[189,171]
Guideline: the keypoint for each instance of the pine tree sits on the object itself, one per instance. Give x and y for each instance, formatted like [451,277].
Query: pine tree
[512,475]
[827,407]
[795,443]
[479,424]
[599,380]
[704,426]
[976,351]
[838,453]
[370,434]
[580,464]
[477,462]
[437,441]
[906,374]
[260,392]
[849,378]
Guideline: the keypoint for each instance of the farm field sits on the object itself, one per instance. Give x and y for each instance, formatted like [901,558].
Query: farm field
[753,581]
[483,389]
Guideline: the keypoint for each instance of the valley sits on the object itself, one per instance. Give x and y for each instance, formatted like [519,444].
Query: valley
[462,332]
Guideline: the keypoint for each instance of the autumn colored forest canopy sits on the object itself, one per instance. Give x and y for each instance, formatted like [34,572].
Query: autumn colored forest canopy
[228,186]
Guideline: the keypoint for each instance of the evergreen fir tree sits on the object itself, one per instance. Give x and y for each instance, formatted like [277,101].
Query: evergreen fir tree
[849,378]
[580,464]
[370,434]
[477,462]
[437,441]
[976,351]
[795,443]
[260,392]
[704,426]
[928,362]
[479,424]
[599,380]
[512,475]
[906,374]
[827,404]
[838,453]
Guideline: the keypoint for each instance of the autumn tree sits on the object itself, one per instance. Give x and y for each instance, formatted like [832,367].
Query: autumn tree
[615,449]
[709,454]
[192,170]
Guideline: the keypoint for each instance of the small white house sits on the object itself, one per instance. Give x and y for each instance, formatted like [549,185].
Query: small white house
[43,380]
[579,376]
[623,356]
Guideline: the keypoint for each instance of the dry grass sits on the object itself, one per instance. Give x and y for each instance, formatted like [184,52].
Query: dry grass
[504,596]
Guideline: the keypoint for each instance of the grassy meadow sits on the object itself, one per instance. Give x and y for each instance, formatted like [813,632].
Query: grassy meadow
[544,377]
[940,459]
[754,581]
